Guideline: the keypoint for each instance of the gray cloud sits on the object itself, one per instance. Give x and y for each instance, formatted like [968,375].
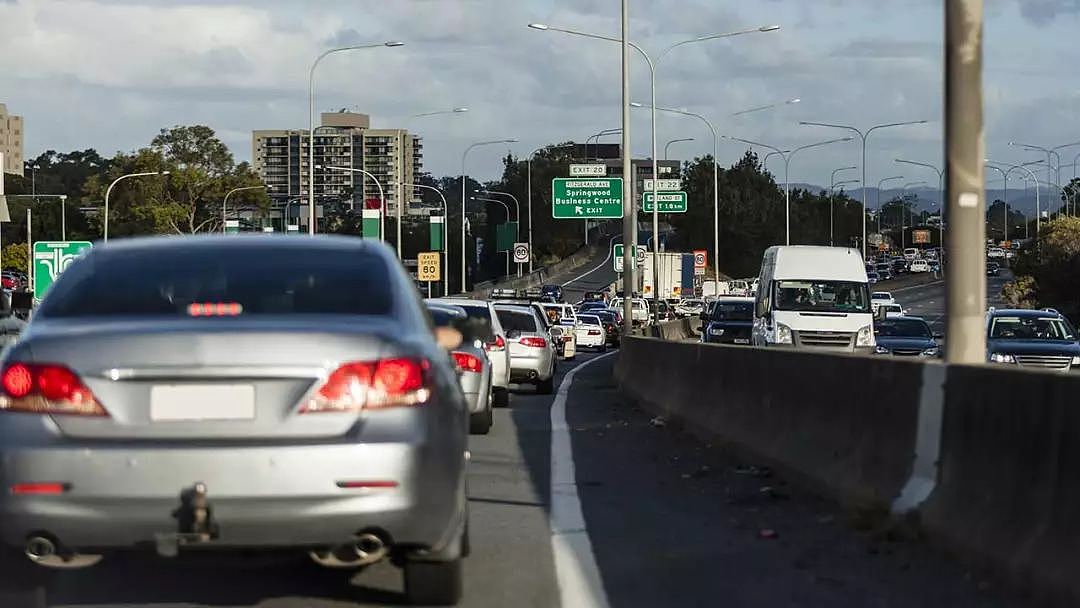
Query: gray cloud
[1042,12]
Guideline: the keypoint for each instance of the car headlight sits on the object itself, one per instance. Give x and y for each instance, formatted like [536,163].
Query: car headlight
[783,334]
[1002,358]
[1076,361]
[716,331]
[881,350]
[865,337]
[931,352]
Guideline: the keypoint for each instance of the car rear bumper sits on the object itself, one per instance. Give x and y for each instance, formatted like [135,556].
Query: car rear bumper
[531,369]
[265,496]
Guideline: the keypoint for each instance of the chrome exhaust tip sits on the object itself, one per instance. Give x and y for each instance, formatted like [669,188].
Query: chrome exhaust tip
[39,548]
[369,548]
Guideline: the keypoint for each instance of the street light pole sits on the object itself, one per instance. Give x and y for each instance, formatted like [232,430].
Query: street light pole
[1004,176]
[311,120]
[464,188]
[517,228]
[225,201]
[904,212]
[668,144]
[108,191]
[445,240]
[787,156]
[832,188]
[863,136]
[879,207]
[941,198]
[507,207]
[382,196]
[400,189]
[1034,179]
[652,105]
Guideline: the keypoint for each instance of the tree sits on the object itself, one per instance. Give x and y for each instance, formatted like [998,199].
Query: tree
[189,199]
[16,256]
[1049,270]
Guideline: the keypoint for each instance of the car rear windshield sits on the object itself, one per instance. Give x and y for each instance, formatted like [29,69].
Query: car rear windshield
[261,280]
[589,319]
[902,328]
[514,320]
[483,315]
[443,317]
[733,311]
[607,317]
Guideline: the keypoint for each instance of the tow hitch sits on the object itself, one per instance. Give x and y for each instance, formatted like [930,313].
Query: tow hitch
[195,522]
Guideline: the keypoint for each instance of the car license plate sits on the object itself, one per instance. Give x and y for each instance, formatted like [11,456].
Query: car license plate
[187,402]
[742,340]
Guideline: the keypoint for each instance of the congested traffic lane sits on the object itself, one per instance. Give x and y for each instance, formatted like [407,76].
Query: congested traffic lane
[928,301]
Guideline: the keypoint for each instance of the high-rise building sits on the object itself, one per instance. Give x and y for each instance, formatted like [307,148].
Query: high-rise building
[11,141]
[343,139]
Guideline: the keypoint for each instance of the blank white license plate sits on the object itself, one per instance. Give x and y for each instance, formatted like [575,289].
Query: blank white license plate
[742,341]
[202,402]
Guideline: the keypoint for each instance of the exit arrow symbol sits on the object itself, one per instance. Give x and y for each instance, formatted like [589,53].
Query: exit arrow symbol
[578,211]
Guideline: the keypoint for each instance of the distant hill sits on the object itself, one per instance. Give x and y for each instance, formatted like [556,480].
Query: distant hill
[928,198]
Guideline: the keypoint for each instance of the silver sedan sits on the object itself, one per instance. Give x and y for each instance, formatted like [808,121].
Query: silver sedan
[474,367]
[532,354]
[223,393]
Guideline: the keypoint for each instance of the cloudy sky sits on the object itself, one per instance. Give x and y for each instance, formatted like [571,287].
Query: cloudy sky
[109,73]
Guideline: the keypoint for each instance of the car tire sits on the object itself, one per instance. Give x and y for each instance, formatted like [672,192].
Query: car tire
[433,583]
[480,422]
[546,387]
[501,396]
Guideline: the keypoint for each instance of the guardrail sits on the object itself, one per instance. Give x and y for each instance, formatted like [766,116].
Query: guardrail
[988,457]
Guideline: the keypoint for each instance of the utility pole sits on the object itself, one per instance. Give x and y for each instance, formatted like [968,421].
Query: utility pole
[629,216]
[964,154]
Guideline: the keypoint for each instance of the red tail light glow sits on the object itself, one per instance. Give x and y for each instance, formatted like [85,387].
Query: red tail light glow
[215,309]
[496,345]
[533,342]
[380,484]
[40,488]
[46,388]
[370,385]
[467,362]
[594,332]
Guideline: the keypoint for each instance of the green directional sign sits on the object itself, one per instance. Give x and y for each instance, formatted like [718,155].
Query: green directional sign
[670,202]
[232,226]
[579,199]
[50,259]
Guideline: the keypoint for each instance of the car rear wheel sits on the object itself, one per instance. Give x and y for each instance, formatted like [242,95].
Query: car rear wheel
[502,396]
[433,583]
[480,422]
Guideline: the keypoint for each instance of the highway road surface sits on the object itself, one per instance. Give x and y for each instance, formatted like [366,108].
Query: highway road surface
[643,515]
[928,300]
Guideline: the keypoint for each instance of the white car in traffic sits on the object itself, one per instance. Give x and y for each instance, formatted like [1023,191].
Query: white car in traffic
[879,298]
[919,266]
[590,332]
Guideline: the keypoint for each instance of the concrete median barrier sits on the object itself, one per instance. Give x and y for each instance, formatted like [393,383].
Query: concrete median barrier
[988,456]
[823,418]
[1008,493]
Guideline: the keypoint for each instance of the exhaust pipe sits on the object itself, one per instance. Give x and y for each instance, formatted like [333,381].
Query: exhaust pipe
[367,548]
[39,548]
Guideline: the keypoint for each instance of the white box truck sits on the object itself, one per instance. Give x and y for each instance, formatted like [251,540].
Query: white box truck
[671,274]
[814,298]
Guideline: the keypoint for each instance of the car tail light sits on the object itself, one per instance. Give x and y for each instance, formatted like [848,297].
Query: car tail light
[594,332]
[496,345]
[214,309]
[371,385]
[38,489]
[46,388]
[533,342]
[467,362]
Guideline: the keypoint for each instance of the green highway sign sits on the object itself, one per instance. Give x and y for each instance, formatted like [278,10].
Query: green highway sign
[50,259]
[617,256]
[579,199]
[670,202]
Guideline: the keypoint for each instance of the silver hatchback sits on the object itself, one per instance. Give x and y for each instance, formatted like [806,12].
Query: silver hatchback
[235,393]
[532,353]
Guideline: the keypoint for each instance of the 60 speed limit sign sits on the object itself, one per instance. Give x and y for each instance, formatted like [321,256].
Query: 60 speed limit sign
[521,253]
[427,266]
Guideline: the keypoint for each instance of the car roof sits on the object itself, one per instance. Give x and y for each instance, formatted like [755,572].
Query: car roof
[1025,313]
[734,299]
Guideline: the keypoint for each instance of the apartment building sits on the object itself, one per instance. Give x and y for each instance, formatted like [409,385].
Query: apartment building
[11,141]
[343,139]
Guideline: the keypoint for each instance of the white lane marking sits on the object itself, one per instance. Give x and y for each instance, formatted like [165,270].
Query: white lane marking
[576,571]
[924,470]
[599,266]
[931,284]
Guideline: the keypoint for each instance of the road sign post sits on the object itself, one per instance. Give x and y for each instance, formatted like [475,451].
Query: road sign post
[617,256]
[580,199]
[701,261]
[50,259]
[670,202]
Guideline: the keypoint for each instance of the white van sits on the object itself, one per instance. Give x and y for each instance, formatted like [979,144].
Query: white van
[911,254]
[813,298]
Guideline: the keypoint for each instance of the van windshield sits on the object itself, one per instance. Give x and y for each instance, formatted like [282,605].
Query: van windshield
[822,296]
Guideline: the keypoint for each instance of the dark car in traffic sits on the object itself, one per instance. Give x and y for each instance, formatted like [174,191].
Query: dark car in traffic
[729,321]
[905,337]
[1039,339]
[551,291]
[611,324]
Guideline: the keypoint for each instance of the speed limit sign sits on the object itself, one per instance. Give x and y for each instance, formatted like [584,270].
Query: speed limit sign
[521,253]
[427,266]
[701,260]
